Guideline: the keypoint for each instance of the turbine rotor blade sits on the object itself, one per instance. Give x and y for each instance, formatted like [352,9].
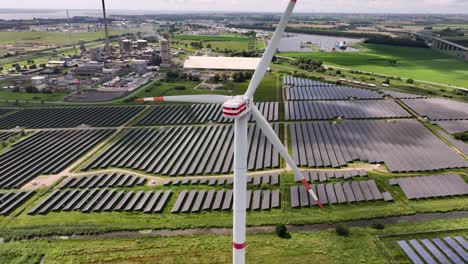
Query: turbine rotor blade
[270,51]
[209,98]
[278,145]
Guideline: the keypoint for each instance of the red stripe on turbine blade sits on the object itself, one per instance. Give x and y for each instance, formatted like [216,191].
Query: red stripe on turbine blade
[159,99]
[319,204]
[306,184]
[140,100]
[238,246]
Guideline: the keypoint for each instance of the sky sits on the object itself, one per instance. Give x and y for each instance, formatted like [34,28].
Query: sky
[339,6]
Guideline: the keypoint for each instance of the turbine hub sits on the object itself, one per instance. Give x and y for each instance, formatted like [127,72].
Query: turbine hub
[237,107]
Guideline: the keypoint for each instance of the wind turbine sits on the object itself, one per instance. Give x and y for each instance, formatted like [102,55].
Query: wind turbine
[238,108]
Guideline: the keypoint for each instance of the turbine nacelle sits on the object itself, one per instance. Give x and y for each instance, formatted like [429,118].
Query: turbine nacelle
[237,107]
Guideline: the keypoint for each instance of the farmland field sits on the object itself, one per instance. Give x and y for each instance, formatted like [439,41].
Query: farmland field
[217,42]
[58,38]
[415,63]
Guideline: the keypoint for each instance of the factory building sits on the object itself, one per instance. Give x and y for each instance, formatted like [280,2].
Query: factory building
[126,46]
[96,54]
[139,66]
[142,44]
[165,53]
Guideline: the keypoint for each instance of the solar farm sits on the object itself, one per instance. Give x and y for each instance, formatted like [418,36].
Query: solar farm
[366,153]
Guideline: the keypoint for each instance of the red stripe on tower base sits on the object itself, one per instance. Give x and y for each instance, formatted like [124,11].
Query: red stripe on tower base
[238,246]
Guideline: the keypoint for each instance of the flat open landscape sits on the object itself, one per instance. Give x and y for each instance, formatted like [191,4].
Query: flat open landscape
[58,38]
[415,63]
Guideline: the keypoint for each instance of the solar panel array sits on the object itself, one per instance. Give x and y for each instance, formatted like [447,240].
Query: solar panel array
[453,126]
[99,200]
[439,109]
[211,200]
[338,193]
[356,109]
[12,200]
[432,186]
[103,180]
[272,179]
[403,145]
[185,150]
[5,135]
[296,81]
[6,110]
[399,95]
[436,250]
[56,117]
[46,152]
[459,144]
[328,92]
[198,114]
[323,176]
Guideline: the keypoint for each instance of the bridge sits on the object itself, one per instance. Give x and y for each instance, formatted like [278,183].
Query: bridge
[439,44]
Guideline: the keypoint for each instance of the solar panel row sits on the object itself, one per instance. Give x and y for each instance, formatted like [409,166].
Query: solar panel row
[439,109]
[436,250]
[459,144]
[97,200]
[185,150]
[399,95]
[295,81]
[45,152]
[327,92]
[198,114]
[432,186]
[323,176]
[11,200]
[103,180]
[453,126]
[210,200]
[403,145]
[337,193]
[55,117]
[324,110]
[258,180]
[5,135]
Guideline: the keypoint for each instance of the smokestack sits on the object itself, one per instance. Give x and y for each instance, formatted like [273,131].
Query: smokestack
[105,25]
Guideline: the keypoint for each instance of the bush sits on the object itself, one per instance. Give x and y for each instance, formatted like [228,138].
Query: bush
[180,88]
[281,230]
[462,136]
[377,225]
[342,230]
[410,81]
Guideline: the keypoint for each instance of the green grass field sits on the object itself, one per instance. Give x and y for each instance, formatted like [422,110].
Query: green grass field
[415,63]
[361,246]
[269,90]
[58,38]
[217,42]
[9,95]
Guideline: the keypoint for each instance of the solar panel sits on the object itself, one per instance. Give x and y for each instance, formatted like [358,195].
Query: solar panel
[410,253]
[144,200]
[218,200]
[295,196]
[340,193]
[275,199]
[256,200]
[152,202]
[435,251]
[178,203]
[227,200]
[447,251]
[422,252]
[189,201]
[208,200]
[198,202]
[266,197]
[331,193]
[162,202]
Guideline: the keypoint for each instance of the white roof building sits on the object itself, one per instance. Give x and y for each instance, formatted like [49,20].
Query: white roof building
[221,63]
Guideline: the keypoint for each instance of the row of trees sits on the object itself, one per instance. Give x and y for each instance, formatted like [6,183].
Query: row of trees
[309,64]
[401,42]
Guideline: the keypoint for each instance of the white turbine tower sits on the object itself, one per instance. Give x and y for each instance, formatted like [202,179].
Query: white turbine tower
[238,108]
